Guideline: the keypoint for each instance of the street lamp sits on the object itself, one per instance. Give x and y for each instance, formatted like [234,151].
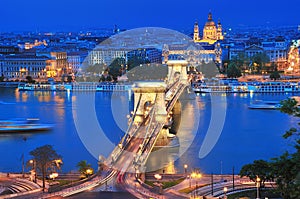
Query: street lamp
[33,169]
[158,177]
[257,187]
[225,191]
[196,176]
[89,172]
[53,176]
[185,166]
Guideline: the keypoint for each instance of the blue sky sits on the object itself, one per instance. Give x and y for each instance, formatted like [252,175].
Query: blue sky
[76,14]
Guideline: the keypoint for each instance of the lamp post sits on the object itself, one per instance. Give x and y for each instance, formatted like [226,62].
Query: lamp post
[257,187]
[196,176]
[225,191]
[53,176]
[185,166]
[199,175]
[33,162]
[158,177]
[189,180]
[89,172]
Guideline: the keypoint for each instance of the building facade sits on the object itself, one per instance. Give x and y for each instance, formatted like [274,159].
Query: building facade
[106,55]
[194,53]
[21,66]
[57,64]
[211,32]
[75,60]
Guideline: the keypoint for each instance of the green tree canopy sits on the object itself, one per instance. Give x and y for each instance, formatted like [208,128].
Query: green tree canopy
[259,60]
[275,75]
[115,68]
[46,160]
[259,168]
[84,168]
[233,71]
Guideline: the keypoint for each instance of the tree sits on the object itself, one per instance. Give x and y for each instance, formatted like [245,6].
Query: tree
[84,168]
[275,75]
[69,78]
[259,168]
[2,78]
[47,160]
[136,61]
[233,70]
[115,68]
[259,60]
[29,79]
[287,166]
[285,169]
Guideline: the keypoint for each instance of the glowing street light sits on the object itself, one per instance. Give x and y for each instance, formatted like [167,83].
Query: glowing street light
[53,176]
[225,191]
[185,166]
[158,177]
[89,172]
[257,187]
[33,169]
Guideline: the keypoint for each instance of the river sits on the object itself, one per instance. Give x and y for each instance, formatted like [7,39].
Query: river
[245,136]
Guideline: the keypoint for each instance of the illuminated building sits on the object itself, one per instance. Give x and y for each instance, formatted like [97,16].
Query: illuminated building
[28,45]
[294,58]
[75,60]
[194,53]
[275,49]
[211,32]
[57,64]
[105,55]
[20,66]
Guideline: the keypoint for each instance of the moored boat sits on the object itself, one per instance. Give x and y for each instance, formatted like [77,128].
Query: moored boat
[265,105]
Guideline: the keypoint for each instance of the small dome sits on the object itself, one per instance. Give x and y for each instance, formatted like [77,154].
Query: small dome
[210,23]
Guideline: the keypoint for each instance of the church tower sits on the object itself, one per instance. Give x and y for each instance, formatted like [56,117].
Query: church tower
[219,31]
[210,30]
[196,32]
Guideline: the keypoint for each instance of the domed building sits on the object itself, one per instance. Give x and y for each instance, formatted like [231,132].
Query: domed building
[211,31]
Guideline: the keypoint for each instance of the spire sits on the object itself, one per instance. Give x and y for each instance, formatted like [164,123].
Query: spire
[209,16]
[219,22]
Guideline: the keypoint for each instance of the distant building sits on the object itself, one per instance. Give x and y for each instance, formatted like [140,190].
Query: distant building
[6,50]
[194,53]
[28,45]
[106,55]
[293,62]
[152,55]
[20,66]
[57,64]
[276,49]
[75,60]
[211,32]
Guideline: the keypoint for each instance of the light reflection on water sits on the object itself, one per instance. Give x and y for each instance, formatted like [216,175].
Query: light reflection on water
[247,134]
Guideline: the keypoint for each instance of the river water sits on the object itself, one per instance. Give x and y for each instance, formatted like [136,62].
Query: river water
[243,136]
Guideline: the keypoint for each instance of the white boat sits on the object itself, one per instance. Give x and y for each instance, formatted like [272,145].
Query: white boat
[8,126]
[265,105]
[252,87]
[45,87]
[273,87]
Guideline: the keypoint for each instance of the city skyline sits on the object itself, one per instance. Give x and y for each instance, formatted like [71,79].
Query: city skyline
[32,15]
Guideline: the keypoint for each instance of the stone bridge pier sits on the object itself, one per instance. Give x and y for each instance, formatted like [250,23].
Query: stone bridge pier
[177,69]
[148,95]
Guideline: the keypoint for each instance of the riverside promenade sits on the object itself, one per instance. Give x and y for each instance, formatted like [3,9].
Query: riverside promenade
[188,188]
